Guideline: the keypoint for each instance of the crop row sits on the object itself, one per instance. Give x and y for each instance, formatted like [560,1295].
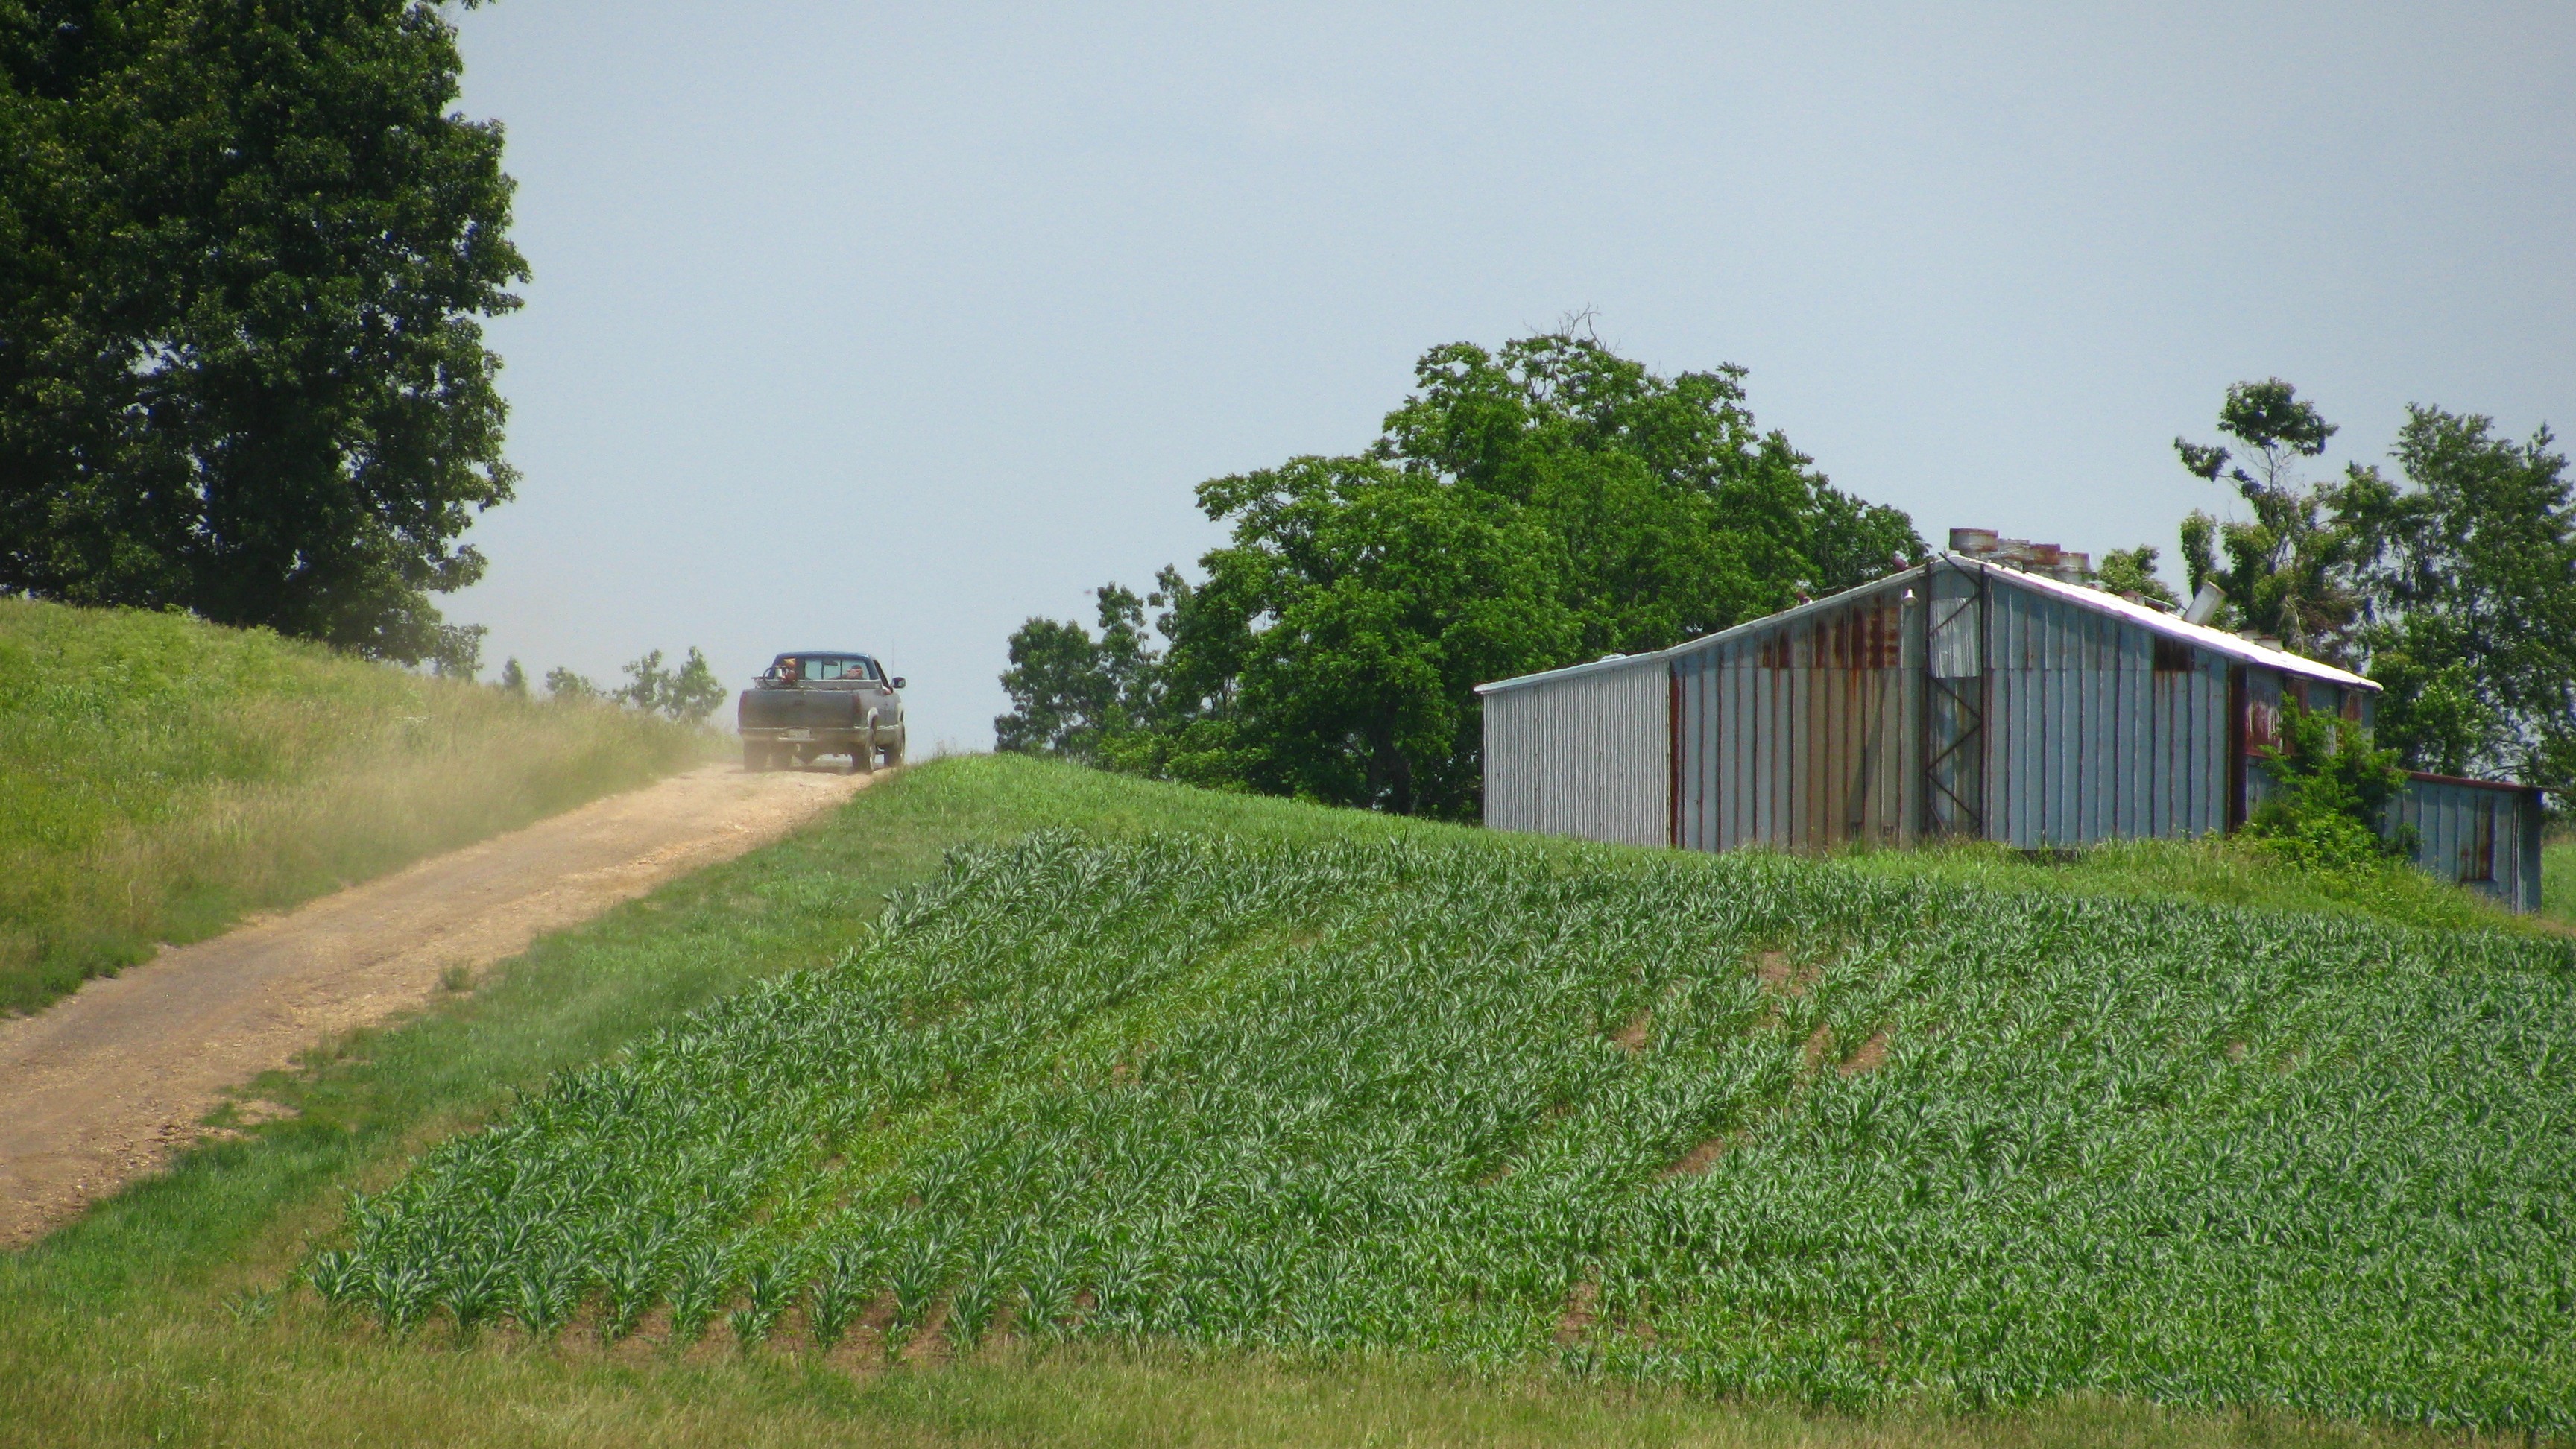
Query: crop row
[1748,1124]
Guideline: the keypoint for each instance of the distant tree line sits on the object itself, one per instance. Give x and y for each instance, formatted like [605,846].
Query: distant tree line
[243,251]
[1527,508]
[689,693]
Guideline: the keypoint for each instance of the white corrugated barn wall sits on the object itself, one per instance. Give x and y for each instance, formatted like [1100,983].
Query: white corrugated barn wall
[1585,753]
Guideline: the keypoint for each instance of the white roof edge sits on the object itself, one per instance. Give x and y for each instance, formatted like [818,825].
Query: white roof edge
[1812,606]
[2216,640]
[1603,665]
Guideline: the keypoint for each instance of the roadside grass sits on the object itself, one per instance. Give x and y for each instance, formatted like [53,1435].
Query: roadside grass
[154,1319]
[160,777]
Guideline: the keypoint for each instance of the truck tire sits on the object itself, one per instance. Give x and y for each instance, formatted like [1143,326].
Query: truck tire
[755,757]
[863,749]
[894,752]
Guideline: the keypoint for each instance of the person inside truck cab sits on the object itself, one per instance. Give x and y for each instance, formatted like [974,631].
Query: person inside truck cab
[788,669]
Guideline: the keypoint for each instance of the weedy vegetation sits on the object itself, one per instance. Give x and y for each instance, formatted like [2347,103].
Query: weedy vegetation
[2558,880]
[160,776]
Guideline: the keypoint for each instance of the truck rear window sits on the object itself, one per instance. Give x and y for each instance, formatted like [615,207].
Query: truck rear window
[830,668]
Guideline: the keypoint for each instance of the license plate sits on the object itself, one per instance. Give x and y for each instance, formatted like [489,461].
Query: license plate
[796,734]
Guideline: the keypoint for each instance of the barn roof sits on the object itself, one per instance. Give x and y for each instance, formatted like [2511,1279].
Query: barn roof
[2218,641]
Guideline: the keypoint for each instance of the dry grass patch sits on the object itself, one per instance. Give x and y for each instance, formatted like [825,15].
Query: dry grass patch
[161,778]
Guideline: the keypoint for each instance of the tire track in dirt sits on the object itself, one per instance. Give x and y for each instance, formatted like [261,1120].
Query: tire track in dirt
[103,1086]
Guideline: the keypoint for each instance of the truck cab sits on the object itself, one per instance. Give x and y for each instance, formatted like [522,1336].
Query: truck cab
[815,702]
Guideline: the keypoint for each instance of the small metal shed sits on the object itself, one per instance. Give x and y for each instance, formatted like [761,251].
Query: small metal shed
[2484,834]
[1958,697]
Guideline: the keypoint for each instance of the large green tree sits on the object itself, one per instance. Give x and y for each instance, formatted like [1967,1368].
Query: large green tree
[2452,585]
[1075,692]
[1338,639]
[2471,583]
[1679,514]
[1525,508]
[243,248]
[2286,571]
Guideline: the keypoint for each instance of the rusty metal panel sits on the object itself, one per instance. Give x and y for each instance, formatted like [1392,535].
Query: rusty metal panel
[2480,835]
[1955,693]
[1585,753]
[1803,732]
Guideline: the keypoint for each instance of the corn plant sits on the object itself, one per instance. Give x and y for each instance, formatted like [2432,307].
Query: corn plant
[841,1288]
[1745,1125]
[769,1286]
[701,1285]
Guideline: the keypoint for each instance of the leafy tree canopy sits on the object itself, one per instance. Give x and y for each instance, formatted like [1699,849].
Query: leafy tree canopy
[242,251]
[2453,585]
[1074,691]
[2471,578]
[2287,572]
[1525,509]
[2331,786]
[2133,571]
[689,693]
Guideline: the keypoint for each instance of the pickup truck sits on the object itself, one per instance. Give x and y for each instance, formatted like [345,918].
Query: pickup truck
[821,702]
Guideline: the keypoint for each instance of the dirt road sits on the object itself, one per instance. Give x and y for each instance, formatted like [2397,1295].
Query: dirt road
[101,1087]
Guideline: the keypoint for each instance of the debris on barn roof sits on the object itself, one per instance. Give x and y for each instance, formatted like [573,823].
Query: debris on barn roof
[2045,559]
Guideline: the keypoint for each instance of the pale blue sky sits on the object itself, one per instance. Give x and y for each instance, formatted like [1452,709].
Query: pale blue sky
[890,327]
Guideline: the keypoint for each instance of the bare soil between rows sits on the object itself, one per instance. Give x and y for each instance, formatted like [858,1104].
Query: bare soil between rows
[104,1085]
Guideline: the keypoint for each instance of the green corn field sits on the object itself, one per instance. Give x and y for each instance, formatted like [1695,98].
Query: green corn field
[1750,1125]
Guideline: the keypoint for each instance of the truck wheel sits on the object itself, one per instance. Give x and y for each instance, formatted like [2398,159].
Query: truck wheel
[863,751]
[894,753]
[755,757]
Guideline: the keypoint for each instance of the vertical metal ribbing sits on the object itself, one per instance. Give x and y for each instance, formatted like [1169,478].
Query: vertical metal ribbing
[1955,689]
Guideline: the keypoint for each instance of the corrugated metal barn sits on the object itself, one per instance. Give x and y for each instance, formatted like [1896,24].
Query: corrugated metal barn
[1960,698]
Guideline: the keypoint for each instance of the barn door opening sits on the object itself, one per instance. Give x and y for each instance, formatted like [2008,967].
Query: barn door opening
[1954,703]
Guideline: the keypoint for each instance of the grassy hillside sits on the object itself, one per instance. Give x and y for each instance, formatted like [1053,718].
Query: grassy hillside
[2084,1140]
[160,776]
[2558,881]
[1749,1125]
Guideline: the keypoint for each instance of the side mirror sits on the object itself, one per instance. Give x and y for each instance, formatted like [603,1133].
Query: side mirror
[898,681]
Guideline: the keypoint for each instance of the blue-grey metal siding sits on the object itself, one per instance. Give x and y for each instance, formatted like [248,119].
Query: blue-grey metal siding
[1585,754]
[2482,836]
[1820,730]
[2086,739]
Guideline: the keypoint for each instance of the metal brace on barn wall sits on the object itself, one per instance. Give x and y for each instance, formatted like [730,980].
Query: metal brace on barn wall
[1953,681]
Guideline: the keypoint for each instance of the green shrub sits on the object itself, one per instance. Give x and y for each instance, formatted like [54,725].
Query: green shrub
[2331,789]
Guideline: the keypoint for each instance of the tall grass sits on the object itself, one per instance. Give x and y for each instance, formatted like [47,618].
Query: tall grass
[2558,880]
[2213,870]
[160,776]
